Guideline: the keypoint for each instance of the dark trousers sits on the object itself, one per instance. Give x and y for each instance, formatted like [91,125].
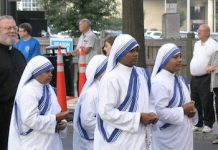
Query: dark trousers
[215,90]
[5,118]
[203,97]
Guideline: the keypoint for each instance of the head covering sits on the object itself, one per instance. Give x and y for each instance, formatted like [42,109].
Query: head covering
[122,45]
[165,53]
[34,68]
[95,68]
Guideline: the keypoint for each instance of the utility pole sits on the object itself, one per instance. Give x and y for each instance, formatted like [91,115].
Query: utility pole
[133,24]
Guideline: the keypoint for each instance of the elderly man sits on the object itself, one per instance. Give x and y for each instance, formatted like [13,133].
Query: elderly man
[87,41]
[87,45]
[12,64]
[200,82]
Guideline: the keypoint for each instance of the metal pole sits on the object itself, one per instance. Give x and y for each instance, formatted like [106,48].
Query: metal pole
[188,16]
[214,15]
[6,7]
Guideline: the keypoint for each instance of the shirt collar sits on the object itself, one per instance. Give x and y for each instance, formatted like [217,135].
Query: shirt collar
[6,47]
[86,33]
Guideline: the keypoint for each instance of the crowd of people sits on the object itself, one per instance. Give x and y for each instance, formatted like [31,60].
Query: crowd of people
[121,106]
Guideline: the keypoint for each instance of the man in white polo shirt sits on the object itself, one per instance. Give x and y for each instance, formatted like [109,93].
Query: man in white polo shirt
[200,82]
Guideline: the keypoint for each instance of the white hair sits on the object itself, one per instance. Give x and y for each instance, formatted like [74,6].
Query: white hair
[86,21]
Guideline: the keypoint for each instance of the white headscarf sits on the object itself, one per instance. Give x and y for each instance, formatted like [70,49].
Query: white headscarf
[95,68]
[123,44]
[165,53]
[35,67]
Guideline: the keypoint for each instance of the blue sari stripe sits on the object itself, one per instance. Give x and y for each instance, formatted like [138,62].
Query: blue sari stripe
[101,69]
[43,107]
[172,104]
[42,70]
[127,50]
[170,56]
[83,132]
[128,92]
[130,99]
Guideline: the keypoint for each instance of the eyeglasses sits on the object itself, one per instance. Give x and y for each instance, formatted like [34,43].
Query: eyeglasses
[10,28]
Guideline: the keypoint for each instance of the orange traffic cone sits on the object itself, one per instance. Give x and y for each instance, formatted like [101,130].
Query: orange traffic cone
[82,69]
[61,85]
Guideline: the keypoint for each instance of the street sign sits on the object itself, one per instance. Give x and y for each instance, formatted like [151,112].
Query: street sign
[66,42]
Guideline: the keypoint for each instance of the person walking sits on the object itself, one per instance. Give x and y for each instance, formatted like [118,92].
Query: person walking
[12,64]
[171,96]
[200,81]
[86,108]
[37,122]
[124,109]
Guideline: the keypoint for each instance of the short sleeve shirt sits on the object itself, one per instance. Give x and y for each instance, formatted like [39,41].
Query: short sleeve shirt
[88,39]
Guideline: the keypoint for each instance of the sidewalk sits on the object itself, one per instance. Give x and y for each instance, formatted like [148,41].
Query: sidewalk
[199,136]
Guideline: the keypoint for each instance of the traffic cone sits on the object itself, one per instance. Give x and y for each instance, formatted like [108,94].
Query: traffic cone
[82,69]
[61,85]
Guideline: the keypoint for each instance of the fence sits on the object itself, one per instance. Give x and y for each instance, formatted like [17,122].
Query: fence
[151,48]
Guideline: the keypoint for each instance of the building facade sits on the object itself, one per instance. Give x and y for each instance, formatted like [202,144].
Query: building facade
[195,13]
[29,5]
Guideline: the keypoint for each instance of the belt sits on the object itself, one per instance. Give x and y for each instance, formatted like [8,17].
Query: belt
[202,76]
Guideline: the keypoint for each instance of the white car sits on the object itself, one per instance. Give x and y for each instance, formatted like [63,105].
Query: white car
[154,34]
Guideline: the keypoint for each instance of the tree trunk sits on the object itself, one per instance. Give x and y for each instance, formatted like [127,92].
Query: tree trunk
[133,24]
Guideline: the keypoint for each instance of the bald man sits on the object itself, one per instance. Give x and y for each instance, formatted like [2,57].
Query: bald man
[200,82]
[12,64]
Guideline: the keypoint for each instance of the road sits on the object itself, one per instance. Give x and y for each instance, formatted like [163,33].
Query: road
[198,145]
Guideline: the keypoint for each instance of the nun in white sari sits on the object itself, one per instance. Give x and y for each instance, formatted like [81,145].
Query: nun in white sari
[124,108]
[36,110]
[173,104]
[84,121]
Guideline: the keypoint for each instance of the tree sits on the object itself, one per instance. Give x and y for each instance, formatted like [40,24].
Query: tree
[133,24]
[64,15]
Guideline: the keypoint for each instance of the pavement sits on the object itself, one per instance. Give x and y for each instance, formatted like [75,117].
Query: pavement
[202,141]
[207,137]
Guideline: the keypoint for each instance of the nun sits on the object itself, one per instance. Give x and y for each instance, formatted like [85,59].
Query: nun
[171,97]
[86,107]
[37,122]
[124,111]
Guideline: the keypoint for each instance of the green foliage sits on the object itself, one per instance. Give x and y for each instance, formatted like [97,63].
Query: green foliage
[64,15]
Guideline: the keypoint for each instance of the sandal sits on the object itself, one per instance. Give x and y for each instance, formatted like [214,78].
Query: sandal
[215,141]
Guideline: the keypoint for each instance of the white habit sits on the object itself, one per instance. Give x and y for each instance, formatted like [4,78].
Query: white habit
[84,121]
[113,91]
[173,131]
[26,115]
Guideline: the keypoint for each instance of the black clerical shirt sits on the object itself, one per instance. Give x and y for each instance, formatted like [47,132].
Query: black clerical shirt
[12,64]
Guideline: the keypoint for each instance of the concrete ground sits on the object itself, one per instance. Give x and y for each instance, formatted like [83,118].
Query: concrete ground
[202,141]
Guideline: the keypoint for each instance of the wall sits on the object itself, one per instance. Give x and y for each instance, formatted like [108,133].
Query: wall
[153,11]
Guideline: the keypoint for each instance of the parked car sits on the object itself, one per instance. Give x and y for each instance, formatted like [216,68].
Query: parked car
[153,34]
